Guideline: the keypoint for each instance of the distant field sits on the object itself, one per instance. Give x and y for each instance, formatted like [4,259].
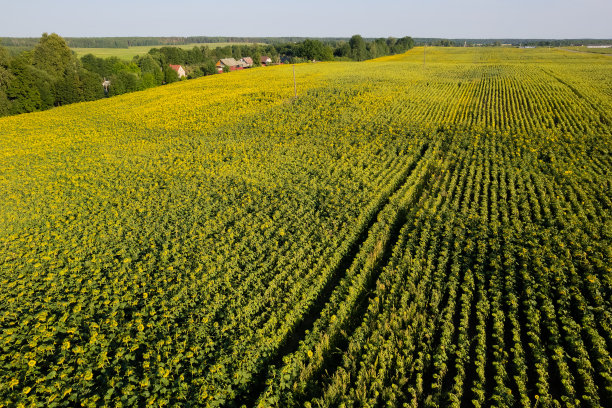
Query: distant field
[131,52]
[592,50]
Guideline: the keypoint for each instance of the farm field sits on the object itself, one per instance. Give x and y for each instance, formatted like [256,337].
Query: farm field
[409,231]
[605,51]
[129,53]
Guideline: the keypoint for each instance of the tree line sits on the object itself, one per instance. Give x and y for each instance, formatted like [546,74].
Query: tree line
[125,42]
[50,74]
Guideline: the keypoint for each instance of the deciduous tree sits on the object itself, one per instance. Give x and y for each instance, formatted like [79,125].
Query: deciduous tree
[52,55]
[358,48]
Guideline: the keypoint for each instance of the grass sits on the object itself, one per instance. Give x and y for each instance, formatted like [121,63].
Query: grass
[131,52]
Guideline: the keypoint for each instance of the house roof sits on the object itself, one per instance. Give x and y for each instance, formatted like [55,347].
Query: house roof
[230,62]
[265,59]
[248,60]
[175,67]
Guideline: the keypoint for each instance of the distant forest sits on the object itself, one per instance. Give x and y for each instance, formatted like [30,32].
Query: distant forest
[126,42]
[46,72]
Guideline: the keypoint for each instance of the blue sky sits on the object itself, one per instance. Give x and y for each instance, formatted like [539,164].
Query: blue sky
[315,18]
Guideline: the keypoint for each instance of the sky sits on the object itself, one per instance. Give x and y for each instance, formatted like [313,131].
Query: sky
[311,18]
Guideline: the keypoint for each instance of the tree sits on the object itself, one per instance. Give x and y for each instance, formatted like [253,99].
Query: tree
[31,89]
[403,44]
[209,68]
[91,85]
[94,64]
[194,56]
[237,51]
[358,48]
[68,89]
[5,79]
[174,55]
[373,50]
[381,46]
[310,49]
[23,92]
[343,50]
[5,105]
[45,84]
[151,71]
[148,64]
[52,55]
[124,82]
[5,60]
[149,80]
[256,58]
[170,75]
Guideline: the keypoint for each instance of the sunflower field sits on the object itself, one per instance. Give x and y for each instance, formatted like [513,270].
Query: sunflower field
[426,229]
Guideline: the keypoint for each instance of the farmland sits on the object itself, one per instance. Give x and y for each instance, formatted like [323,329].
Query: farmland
[131,52]
[605,51]
[422,229]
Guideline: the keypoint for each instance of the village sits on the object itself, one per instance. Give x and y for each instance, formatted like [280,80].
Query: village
[227,65]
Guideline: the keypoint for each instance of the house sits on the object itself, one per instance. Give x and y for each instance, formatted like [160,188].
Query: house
[179,70]
[266,60]
[106,85]
[247,62]
[231,63]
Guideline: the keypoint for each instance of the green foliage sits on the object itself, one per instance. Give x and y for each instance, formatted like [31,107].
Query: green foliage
[5,78]
[91,85]
[150,79]
[195,56]
[22,91]
[5,57]
[358,48]
[124,82]
[148,64]
[170,75]
[52,55]
[174,55]
[343,50]
[68,89]
[45,85]
[402,45]
[5,106]
[256,55]
[209,68]
[315,50]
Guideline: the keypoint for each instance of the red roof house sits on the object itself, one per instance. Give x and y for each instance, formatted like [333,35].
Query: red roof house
[179,70]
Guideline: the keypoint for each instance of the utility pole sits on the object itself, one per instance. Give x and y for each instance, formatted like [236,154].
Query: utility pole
[294,85]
